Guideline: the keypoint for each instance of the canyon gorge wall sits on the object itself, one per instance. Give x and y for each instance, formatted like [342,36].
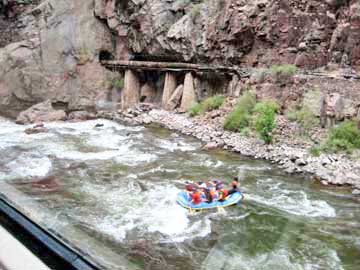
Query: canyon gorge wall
[50,50]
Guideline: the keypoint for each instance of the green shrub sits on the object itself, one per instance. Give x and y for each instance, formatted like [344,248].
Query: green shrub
[117,83]
[195,12]
[306,118]
[264,120]
[315,151]
[285,69]
[344,137]
[213,103]
[245,131]
[247,101]
[239,118]
[195,109]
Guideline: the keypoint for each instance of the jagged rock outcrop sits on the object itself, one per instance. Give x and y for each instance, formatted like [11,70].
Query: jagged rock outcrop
[175,98]
[308,33]
[57,58]
[52,48]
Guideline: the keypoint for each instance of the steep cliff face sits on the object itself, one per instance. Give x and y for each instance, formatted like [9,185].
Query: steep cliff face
[56,59]
[51,50]
[308,33]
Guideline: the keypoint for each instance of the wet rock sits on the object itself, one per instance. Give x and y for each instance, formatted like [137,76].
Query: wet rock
[175,98]
[39,125]
[289,167]
[145,107]
[81,115]
[36,130]
[210,146]
[42,112]
[147,120]
[48,183]
[301,162]
[324,182]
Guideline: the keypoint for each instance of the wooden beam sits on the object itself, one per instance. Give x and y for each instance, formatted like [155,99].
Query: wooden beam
[169,66]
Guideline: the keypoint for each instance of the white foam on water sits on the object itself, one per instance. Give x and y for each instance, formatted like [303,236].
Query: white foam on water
[107,140]
[294,202]
[8,127]
[160,168]
[205,160]
[213,163]
[12,135]
[27,165]
[112,150]
[151,211]
[88,127]
[232,258]
[175,146]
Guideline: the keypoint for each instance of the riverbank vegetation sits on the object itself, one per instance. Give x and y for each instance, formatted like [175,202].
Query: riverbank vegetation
[239,118]
[264,119]
[249,114]
[208,104]
[305,117]
[344,137]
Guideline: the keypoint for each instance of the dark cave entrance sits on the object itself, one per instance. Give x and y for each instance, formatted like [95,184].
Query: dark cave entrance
[105,56]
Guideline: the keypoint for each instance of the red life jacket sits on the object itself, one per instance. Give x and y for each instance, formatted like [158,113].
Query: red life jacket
[224,192]
[189,187]
[196,197]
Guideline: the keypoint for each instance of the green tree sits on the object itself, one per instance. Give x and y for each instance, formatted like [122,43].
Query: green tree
[265,119]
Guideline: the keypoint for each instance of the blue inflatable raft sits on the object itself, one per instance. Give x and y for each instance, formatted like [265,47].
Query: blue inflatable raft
[182,199]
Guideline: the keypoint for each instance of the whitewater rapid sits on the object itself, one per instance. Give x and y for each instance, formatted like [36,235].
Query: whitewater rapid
[121,182]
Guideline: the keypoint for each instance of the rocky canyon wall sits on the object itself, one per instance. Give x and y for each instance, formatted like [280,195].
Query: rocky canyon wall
[55,59]
[50,49]
[309,33]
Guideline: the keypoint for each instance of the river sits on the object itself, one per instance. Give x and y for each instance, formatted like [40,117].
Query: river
[113,194]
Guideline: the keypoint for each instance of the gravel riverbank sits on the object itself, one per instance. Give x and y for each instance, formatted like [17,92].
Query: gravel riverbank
[329,169]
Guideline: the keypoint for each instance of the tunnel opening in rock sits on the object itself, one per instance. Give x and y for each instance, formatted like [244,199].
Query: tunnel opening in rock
[105,56]
[60,105]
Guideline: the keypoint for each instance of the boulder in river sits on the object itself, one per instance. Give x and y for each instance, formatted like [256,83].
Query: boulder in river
[36,130]
[210,146]
[81,116]
[48,183]
[41,112]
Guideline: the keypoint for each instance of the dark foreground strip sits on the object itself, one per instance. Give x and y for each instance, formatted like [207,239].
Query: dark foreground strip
[49,248]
